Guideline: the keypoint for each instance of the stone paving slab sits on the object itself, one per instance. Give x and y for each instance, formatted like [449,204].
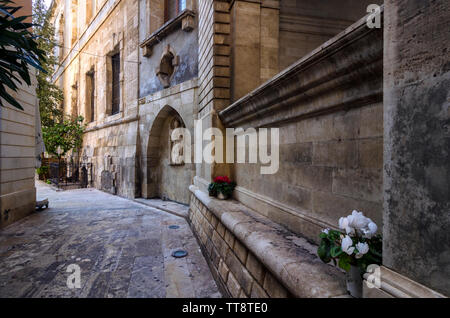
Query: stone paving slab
[168,206]
[122,248]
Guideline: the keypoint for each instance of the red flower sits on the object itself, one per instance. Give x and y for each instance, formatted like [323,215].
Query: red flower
[222,179]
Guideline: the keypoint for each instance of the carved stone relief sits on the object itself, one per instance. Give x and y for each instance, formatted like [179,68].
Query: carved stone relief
[167,66]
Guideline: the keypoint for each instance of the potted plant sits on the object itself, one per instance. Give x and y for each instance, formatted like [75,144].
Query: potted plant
[221,187]
[352,249]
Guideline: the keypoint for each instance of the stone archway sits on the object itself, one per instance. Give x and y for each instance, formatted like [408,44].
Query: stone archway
[167,177]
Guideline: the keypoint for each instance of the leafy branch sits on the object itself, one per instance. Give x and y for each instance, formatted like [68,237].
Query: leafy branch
[18,50]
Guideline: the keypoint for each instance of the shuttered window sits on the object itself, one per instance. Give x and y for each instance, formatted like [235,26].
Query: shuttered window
[115,61]
[90,95]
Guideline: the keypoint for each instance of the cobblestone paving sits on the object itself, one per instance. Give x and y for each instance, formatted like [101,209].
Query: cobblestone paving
[123,249]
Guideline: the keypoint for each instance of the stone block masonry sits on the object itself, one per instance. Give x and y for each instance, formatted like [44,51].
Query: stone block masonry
[250,256]
[329,111]
[17,155]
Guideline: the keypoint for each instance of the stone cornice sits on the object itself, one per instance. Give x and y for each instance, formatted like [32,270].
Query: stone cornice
[107,124]
[344,72]
[169,27]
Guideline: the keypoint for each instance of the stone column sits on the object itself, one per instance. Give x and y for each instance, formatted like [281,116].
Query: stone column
[416,235]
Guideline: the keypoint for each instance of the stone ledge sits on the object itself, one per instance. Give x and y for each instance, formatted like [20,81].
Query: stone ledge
[289,258]
[185,20]
[171,207]
[396,285]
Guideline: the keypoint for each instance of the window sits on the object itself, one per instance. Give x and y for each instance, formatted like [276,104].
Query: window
[173,8]
[115,63]
[90,10]
[60,38]
[90,96]
[181,5]
[74,15]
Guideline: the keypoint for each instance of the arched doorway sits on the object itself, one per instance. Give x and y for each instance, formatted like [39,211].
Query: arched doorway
[168,176]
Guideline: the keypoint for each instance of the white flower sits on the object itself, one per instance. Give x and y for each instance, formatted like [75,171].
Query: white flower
[357,220]
[370,230]
[326,231]
[362,248]
[346,245]
[344,224]
[372,227]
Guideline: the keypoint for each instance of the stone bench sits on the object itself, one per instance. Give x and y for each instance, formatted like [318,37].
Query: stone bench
[251,256]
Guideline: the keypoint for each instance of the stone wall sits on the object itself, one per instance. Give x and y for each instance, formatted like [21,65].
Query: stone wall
[17,155]
[156,176]
[184,45]
[416,240]
[109,143]
[306,24]
[250,256]
[214,70]
[121,147]
[328,108]
[237,270]
[111,149]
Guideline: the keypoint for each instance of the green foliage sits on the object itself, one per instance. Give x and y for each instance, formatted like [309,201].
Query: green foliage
[48,182]
[330,249]
[225,187]
[50,95]
[42,170]
[67,134]
[345,261]
[18,51]
[57,131]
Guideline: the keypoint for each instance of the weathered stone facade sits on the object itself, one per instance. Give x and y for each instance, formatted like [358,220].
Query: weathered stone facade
[416,148]
[312,69]
[117,144]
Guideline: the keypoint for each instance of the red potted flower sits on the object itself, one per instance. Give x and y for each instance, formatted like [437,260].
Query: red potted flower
[221,187]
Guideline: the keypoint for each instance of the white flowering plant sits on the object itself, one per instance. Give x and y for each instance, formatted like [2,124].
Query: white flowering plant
[357,244]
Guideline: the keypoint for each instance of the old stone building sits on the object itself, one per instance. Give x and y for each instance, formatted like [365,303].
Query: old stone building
[138,69]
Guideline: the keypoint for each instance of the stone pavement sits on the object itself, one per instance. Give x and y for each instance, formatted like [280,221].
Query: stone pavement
[123,249]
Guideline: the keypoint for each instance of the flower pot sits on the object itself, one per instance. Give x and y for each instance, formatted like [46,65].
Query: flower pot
[354,282]
[221,196]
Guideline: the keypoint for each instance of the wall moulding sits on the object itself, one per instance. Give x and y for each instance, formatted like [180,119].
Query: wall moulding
[306,224]
[185,20]
[393,284]
[343,73]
